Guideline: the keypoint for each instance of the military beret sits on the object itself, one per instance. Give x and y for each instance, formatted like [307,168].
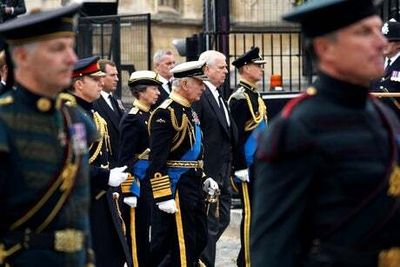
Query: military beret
[40,25]
[391,30]
[319,17]
[88,66]
[252,56]
[143,77]
[192,69]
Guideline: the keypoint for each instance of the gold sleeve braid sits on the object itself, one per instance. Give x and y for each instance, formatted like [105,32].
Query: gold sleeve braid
[101,126]
[256,117]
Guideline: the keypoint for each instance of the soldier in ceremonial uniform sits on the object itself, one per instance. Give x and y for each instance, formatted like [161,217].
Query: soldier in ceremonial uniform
[44,183]
[134,154]
[250,115]
[107,223]
[327,174]
[390,82]
[179,230]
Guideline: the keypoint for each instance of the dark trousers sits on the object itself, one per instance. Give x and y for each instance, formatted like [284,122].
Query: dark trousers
[219,215]
[188,225]
[245,193]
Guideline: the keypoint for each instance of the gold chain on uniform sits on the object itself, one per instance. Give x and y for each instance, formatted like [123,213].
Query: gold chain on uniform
[101,126]
[181,129]
[256,119]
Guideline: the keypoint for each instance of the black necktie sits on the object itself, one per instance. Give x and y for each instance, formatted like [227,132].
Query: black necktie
[221,106]
[114,103]
[169,86]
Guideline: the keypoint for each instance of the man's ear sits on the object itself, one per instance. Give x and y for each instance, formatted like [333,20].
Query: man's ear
[323,47]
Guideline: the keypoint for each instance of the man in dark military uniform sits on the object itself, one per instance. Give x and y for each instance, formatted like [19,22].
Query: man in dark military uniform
[390,82]
[134,154]
[179,230]
[327,172]
[44,184]
[250,115]
[107,224]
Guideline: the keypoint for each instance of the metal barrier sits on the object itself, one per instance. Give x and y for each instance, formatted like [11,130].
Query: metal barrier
[124,39]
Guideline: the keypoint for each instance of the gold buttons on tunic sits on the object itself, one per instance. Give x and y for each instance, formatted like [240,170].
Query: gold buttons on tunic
[43,104]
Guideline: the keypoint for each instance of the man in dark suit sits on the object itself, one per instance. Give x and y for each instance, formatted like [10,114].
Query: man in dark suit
[108,226]
[327,170]
[109,107]
[164,61]
[11,9]
[219,136]
[390,82]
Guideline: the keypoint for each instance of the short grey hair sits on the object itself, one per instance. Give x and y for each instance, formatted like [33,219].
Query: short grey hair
[210,56]
[159,54]
[30,47]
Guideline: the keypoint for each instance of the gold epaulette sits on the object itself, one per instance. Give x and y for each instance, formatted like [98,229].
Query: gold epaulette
[238,94]
[161,185]
[6,100]
[166,103]
[66,98]
[134,111]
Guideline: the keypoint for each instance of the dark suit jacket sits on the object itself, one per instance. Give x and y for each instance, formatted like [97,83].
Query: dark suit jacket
[218,138]
[19,8]
[112,118]
[163,95]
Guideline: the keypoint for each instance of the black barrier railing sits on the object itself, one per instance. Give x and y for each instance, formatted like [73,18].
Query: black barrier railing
[124,39]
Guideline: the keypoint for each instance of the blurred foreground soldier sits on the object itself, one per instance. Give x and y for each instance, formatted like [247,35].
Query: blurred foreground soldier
[179,227]
[164,61]
[3,73]
[327,175]
[109,107]
[44,184]
[107,224]
[134,154]
[219,136]
[390,82]
[250,115]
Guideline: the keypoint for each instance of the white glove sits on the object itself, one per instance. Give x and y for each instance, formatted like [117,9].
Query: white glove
[130,201]
[210,186]
[243,175]
[117,176]
[167,206]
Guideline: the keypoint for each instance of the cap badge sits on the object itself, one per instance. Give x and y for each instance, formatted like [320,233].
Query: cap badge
[385,28]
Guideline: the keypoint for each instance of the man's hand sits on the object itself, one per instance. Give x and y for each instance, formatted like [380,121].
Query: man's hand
[168,206]
[243,175]
[210,186]
[130,201]
[117,176]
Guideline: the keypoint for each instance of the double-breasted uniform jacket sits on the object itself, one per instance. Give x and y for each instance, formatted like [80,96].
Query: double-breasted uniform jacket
[44,181]
[107,225]
[326,181]
[248,111]
[134,140]
[390,82]
[19,8]
[113,118]
[174,130]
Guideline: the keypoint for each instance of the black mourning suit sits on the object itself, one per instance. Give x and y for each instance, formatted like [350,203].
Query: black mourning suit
[219,139]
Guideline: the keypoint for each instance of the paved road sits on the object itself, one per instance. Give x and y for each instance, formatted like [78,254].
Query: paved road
[229,243]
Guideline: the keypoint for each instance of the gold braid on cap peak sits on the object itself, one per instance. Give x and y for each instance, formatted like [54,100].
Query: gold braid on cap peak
[256,117]
[101,126]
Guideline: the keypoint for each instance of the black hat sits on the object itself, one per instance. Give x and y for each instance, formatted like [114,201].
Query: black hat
[88,66]
[319,17]
[391,30]
[192,69]
[40,25]
[250,57]
[143,77]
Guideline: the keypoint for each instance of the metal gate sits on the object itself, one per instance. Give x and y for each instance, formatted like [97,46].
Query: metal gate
[124,39]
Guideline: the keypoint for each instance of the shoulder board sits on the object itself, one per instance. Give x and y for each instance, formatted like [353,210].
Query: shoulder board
[288,108]
[239,93]
[6,100]
[134,111]
[166,103]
